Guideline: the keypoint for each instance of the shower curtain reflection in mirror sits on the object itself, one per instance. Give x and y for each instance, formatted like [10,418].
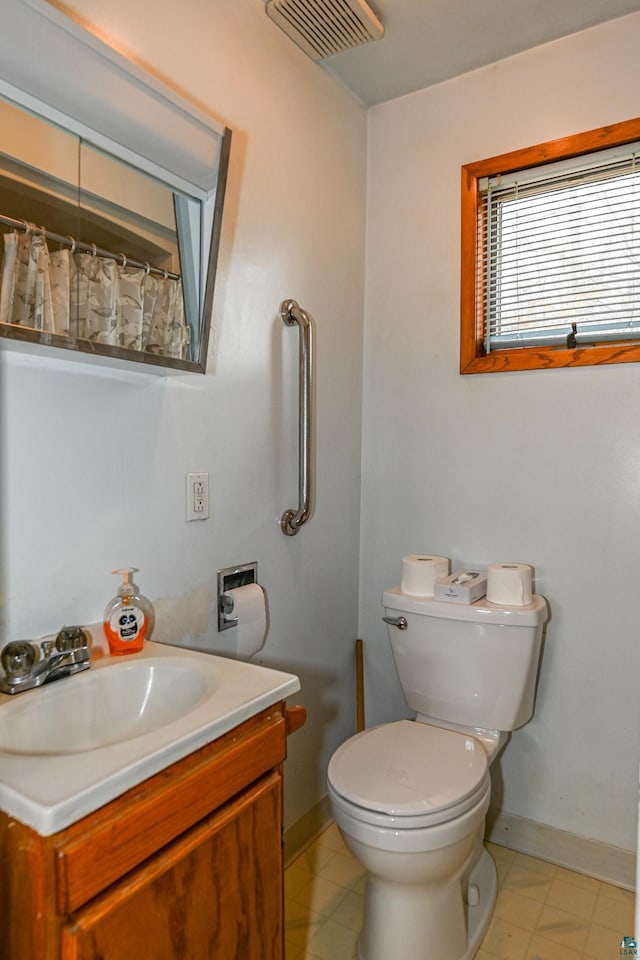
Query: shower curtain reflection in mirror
[92,297]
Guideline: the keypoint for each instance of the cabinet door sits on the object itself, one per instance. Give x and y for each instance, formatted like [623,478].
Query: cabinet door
[214,894]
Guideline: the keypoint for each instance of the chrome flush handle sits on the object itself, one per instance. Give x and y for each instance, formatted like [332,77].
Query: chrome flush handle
[399,622]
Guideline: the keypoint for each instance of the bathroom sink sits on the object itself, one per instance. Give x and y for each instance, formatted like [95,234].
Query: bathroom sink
[103,707]
[73,745]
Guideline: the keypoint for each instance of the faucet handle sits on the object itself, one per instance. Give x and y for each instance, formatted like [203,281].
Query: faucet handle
[18,658]
[71,638]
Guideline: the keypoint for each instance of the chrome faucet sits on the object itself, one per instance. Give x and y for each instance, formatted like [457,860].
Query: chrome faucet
[27,664]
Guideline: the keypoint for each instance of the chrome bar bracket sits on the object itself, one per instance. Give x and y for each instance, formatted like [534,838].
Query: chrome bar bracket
[293,315]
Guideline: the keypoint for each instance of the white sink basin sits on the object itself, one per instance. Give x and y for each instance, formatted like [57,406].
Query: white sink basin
[101,707]
[71,746]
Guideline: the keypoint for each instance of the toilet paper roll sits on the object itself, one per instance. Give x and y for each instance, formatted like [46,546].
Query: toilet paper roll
[250,607]
[509,584]
[420,572]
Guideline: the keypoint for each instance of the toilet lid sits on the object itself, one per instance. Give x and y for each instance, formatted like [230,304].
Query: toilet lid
[408,768]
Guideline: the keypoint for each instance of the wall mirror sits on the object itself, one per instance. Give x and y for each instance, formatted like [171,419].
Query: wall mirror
[109,236]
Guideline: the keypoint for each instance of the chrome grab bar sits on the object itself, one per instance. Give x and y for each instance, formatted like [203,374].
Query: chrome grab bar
[292,314]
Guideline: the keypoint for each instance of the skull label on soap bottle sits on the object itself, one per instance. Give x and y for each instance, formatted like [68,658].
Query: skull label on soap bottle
[128,623]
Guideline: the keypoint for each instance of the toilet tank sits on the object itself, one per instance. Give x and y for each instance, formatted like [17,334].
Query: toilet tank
[470,664]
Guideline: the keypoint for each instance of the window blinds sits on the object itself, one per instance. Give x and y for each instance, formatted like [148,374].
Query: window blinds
[560,261]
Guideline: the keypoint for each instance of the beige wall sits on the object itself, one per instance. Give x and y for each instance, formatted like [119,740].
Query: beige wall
[94,462]
[541,467]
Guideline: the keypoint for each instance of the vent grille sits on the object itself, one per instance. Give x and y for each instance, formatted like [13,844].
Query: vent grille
[324,27]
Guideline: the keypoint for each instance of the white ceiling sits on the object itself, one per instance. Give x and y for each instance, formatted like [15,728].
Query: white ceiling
[427,41]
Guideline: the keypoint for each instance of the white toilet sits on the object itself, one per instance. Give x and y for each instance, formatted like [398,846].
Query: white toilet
[410,797]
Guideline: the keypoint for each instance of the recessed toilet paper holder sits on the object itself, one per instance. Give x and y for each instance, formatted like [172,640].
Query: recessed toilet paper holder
[228,579]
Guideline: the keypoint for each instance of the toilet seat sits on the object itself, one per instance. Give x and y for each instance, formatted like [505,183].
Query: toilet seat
[409,775]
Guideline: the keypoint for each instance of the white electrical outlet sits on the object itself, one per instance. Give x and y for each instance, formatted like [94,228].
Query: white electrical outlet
[197,496]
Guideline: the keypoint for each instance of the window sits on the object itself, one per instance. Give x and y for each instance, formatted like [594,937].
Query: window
[551,254]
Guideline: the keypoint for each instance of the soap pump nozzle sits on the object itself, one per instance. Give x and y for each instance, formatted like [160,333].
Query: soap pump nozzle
[127,588]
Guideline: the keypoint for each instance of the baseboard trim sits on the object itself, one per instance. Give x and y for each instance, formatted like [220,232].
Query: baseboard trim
[305,830]
[591,857]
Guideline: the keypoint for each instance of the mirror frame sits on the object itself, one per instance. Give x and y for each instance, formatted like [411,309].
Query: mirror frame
[177,142]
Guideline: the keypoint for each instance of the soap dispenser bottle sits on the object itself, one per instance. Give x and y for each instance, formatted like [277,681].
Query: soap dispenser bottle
[129,617]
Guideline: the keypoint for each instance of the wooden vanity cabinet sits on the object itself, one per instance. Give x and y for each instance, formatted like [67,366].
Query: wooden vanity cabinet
[185,866]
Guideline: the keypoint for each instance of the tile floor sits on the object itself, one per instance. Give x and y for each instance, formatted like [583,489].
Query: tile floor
[543,912]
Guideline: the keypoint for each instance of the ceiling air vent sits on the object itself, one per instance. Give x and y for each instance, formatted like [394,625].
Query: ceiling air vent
[324,27]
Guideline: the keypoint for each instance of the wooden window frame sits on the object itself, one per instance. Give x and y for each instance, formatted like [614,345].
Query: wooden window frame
[473,358]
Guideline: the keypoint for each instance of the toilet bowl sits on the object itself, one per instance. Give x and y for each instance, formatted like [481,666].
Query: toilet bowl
[410,797]
[410,800]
